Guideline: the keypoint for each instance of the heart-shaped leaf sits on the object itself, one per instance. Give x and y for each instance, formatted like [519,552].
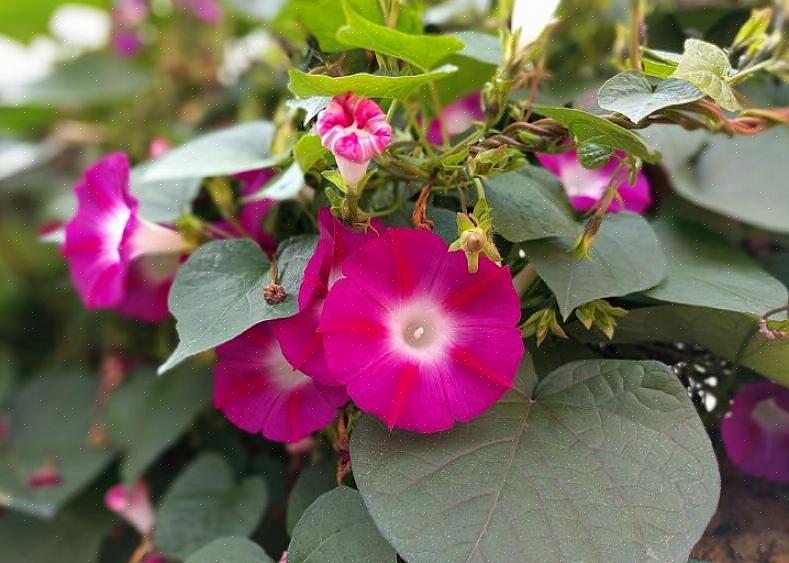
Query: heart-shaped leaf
[230,550]
[607,463]
[707,67]
[315,480]
[630,94]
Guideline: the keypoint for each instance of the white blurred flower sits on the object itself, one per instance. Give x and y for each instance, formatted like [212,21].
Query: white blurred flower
[532,17]
[24,64]
[80,27]
[242,53]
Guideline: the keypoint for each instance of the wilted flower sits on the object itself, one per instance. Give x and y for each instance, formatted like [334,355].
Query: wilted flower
[107,235]
[133,504]
[530,18]
[355,130]
[301,342]
[419,341]
[585,187]
[456,118]
[259,391]
[755,431]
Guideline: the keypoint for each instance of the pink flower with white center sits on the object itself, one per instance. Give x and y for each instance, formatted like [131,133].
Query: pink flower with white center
[355,130]
[420,342]
[301,342]
[457,118]
[585,187]
[259,391]
[755,431]
[107,235]
[133,504]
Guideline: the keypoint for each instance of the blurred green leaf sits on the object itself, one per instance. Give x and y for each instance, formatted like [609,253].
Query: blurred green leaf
[259,9]
[230,550]
[148,414]
[336,528]
[630,94]
[706,271]
[163,201]
[368,85]
[286,185]
[588,128]
[423,51]
[218,292]
[626,257]
[482,47]
[51,417]
[315,480]
[204,504]
[25,20]
[240,148]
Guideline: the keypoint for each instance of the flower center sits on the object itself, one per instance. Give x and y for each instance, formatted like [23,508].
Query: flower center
[771,417]
[421,330]
[419,334]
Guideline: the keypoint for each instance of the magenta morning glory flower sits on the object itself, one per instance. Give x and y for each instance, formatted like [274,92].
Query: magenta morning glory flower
[420,342]
[301,342]
[107,235]
[755,431]
[585,187]
[259,391]
[252,214]
[355,130]
[133,504]
[457,117]
[147,288]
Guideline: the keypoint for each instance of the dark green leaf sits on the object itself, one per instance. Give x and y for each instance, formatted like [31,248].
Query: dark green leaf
[51,417]
[529,204]
[608,463]
[149,413]
[204,504]
[336,528]
[423,51]
[312,483]
[369,85]
[230,550]
[218,292]
[588,128]
[626,258]
[228,151]
[706,271]
[630,94]
[593,156]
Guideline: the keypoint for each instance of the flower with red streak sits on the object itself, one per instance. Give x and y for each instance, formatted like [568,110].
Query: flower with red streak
[301,342]
[259,391]
[107,235]
[755,431]
[420,342]
[456,118]
[355,130]
[133,504]
[585,187]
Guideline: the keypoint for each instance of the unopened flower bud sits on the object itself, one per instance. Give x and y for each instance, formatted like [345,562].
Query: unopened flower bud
[133,504]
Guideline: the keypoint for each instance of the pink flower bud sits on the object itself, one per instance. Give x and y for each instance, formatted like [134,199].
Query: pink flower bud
[133,505]
[355,130]
[158,147]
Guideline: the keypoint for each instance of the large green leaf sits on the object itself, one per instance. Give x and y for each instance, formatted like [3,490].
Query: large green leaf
[73,536]
[51,418]
[707,67]
[632,95]
[163,202]
[730,335]
[218,292]
[228,151]
[368,85]
[588,128]
[204,504]
[336,528]
[626,257]
[483,47]
[705,270]
[230,550]
[149,413]
[423,51]
[744,178]
[90,79]
[529,204]
[312,483]
[607,463]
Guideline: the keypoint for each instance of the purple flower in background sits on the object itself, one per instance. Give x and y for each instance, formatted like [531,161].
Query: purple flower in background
[756,431]
[207,11]
[130,12]
[457,117]
[127,17]
[126,43]
[584,186]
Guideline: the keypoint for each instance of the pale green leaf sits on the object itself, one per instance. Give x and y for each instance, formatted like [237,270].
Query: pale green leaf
[707,67]
[309,150]
[165,201]
[607,463]
[230,550]
[630,94]
[368,85]
[286,185]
